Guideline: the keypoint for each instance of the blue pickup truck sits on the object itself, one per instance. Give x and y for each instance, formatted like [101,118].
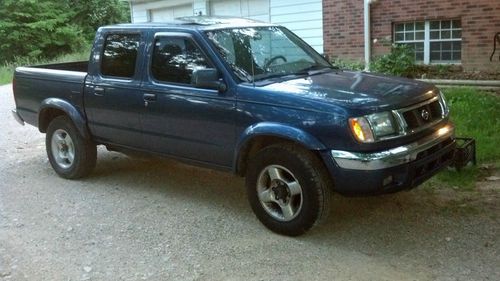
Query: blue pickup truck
[244,96]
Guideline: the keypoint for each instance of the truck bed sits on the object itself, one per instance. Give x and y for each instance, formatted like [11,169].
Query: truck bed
[80,66]
[33,84]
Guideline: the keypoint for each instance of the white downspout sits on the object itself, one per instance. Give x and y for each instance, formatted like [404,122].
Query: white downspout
[131,7]
[367,33]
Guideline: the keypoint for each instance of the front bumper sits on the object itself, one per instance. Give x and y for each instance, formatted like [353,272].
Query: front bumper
[403,167]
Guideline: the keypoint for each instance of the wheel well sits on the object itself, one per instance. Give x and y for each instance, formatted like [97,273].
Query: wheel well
[252,147]
[46,116]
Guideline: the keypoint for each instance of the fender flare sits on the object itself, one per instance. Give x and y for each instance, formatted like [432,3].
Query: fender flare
[70,110]
[273,129]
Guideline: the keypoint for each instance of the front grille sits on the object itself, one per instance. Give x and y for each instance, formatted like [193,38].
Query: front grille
[423,115]
[420,116]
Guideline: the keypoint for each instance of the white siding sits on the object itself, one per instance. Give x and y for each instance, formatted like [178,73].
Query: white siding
[200,7]
[303,17]
[142,12]
[139,14]
[254,9]
[168,14]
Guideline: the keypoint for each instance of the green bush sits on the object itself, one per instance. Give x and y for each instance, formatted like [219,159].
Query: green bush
[348,64]
[400,62]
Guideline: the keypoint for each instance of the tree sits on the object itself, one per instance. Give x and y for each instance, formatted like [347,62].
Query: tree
[45,28]
[31,28]
[91,14]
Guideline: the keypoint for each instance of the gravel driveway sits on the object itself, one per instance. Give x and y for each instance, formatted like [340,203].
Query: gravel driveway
[161,220]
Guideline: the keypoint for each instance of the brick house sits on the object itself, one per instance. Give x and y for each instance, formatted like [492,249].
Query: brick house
[447,31]
[441,32]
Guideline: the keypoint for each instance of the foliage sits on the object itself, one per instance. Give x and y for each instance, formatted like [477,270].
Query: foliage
[33,29]
[348,64]
[400,62]
[91,14]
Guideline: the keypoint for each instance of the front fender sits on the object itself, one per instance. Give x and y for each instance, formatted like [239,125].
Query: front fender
[73,113]
[273,129]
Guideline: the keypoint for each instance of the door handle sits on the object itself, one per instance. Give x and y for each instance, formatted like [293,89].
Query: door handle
[98,91]
[149,97]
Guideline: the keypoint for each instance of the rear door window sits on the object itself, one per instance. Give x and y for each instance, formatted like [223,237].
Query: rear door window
[120,55]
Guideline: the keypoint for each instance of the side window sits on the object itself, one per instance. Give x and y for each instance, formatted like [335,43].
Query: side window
[224,42]
[175,59]
[120,54]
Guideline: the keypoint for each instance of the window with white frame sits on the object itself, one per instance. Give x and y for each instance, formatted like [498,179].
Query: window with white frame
[436,41]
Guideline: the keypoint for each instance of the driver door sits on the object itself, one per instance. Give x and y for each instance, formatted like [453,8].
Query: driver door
[179,119]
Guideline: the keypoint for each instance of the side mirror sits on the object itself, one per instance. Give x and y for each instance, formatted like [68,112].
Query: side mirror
[208,78]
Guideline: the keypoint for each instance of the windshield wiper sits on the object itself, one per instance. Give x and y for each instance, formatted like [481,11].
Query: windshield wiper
[315,69]
[274,75]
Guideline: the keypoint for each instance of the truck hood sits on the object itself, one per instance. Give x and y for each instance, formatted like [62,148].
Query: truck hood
[358,90]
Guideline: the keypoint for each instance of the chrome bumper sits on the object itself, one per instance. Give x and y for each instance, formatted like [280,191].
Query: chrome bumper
[392,157]
[17,117]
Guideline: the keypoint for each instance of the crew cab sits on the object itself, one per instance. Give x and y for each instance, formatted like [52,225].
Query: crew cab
[243,96]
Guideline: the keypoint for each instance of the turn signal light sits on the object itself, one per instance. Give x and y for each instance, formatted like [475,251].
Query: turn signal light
[361,129]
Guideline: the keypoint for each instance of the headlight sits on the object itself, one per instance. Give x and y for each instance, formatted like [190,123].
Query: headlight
[372,127]
[381,124]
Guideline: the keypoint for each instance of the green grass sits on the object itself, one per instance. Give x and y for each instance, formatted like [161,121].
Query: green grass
[476,114]
[7,70]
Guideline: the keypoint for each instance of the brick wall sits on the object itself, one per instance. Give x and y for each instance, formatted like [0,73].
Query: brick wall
[343,26]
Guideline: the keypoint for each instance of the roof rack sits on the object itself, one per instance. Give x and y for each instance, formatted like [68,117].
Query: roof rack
[213,20]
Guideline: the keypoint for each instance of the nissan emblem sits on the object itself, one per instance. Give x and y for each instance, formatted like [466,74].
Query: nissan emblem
[425,114]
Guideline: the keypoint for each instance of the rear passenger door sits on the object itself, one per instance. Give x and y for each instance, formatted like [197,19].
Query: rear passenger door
[180,119]
[113,99]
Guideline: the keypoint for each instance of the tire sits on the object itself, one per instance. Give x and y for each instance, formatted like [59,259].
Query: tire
[70,155]
[288,189]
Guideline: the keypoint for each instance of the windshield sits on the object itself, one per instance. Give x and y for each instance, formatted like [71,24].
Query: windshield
[258,53]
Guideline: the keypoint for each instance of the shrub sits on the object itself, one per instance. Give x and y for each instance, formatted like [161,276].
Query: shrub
[400,62]
[348,64]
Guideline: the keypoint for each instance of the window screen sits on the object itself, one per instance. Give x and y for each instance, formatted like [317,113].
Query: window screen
[120,55]
[175,59]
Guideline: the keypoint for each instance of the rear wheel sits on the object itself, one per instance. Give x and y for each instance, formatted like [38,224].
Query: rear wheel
[70,155]
[288,189]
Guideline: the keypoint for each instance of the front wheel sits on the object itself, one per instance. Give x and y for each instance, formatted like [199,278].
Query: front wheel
[288,189]
[70,155]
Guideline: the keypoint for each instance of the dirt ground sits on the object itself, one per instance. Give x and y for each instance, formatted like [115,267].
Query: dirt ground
[162,220]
